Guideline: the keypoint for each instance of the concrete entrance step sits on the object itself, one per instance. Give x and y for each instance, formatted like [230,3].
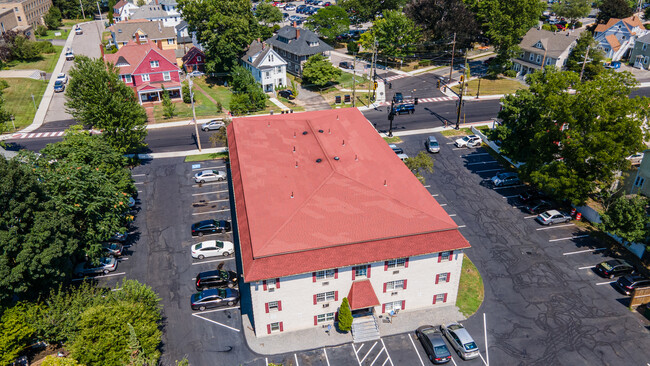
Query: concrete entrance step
[365,329]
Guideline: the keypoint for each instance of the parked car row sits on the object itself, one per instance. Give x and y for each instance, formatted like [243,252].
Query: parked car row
[458,337]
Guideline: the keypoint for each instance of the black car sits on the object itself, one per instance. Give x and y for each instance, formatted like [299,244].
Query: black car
[214,298]
[346,65]
[210,226]
[286,94]
[300,8]
[433,344]
[538,206]
[112,249]
[285,16]
[398,98]
[218,279]
[614,268]
[531,195]
[628,283]
[405,108]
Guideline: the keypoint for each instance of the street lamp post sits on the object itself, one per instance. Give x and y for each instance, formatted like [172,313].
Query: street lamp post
[82,10]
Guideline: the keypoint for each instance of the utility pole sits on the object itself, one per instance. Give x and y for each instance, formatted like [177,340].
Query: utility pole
[451,67]
[100,12]
[584,62]
[354,80]
[391,116]
[82,9]
[196,126]
[460,97]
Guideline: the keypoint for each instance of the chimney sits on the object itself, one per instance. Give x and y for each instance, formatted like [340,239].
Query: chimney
[297,33]
[262,46]
[101,49]
[294,24]
[159,44]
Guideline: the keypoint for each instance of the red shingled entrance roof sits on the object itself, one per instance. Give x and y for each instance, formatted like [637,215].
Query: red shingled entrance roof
[323,190]
[362,295]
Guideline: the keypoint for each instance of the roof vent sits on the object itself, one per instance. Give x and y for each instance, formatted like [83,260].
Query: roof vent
[304,132]
[319,160]
[321,131]
[336,158]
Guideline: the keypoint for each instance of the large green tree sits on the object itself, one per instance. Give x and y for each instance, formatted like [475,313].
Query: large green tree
[573,142]
[52,18]
[224,27]
[15,332]
[366,10]
[395,34]
[421,162]
[5,116]
[614,9]
[572,9]
[441,19]
[627,218]
[505,22]
[594,65]
[97,97]
[72,9]
[268,13]
[329,22]
[243,83]
[319,71]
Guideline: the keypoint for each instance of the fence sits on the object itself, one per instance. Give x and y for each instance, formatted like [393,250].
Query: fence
[640,296]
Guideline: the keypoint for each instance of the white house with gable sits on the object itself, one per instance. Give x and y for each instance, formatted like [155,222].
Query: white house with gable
[267,67]
[617,37]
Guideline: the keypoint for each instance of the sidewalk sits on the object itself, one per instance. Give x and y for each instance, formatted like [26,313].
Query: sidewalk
[316,337]
[279,104]
[25,74]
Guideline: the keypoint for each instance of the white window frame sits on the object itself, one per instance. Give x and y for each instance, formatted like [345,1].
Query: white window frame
[325,275]
[154,64]
[198,58]
[443,277]
[324,318]
[274,306]
[325,296]
[275,327]
[539,58]
[395,285]
[548,60]
[145,77]
[167,76]
[645,45]
[143,37]
[439,298]
[360,271]
[445,255]
[532,57]
[395,305]
[170,41]
[639,181]
[128,78]
[270,284]
[395,263]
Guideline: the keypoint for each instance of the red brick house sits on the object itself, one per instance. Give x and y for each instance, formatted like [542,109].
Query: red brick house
[146,68]
[193,60]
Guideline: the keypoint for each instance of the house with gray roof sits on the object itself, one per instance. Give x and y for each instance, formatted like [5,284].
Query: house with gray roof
[266,65]
[153,12]
[541,48]
[295,45]
[143,30]
[640,55]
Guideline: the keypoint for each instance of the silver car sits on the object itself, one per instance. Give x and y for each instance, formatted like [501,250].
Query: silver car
[432,144]
[105,265]
[212,125]
[460,340]
[551,217]
[210,176]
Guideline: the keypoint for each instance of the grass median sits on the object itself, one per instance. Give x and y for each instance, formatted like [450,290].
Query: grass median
[470,290]
[46,62]
[18,100]
[206,156]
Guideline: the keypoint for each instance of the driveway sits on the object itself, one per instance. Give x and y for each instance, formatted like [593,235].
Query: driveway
[312,101]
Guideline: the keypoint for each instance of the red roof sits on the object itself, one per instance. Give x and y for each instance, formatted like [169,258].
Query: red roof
[133,53]
[362,295]
[120,4]
[158,85]
[359,204]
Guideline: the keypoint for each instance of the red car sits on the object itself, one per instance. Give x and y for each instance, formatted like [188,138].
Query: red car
[327,4]
[275,3]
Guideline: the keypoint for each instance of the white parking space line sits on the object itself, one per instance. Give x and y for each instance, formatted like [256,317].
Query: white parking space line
[459,148]
[416,350]
[434,195]
[387,354]
[212,321]
[108,275]
[443,204]
[482,359]
[367,353]
[210,168]
[452,215]
[569,238]
[138,182]
[462,226]
[215,310]
[515,186]
[604,283]
[139,191]
[452,360]
[554,226]
[584,251]
[224,200]
[487,356]
[138,175]
[208,184]
[355,353]
[587,267]
[428,186]
[482,162]
[378,354]
[489,170]
[470,155]
[530,217]
[210,212]
[295,356]
[199,194]
[449,143]
[326,358]
[214,260]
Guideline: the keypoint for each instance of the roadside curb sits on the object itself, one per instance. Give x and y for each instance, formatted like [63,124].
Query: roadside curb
[177,154]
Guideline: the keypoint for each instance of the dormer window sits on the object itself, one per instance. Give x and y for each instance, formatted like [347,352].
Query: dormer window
[143,37]
[539,45]
[312,44]
[154,64]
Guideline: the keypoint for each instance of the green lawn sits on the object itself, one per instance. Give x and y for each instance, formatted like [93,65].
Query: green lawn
[492,87]
[18,100]
[452,132]
[218,92]
[208,156]
[50,34]
[45,63]
[470,289]
[71,22]
[203,106]
[393,140]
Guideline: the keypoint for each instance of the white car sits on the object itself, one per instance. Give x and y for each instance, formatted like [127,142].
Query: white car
[210,176]
[635,159]
[212,248]
[196,73]
[468,141]
[281,5]
[63,77]
[69,55]
[212,125]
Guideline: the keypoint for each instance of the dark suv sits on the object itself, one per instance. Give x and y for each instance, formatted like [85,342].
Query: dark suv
[628,283]
[398,98]
[210,227]
[218,279]
[405,108]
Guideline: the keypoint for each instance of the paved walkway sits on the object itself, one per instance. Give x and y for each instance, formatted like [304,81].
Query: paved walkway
[279,104]
[26,74]
[312,101]
[316,337]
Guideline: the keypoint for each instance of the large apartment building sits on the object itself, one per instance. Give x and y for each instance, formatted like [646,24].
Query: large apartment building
[29,13]
[324,209]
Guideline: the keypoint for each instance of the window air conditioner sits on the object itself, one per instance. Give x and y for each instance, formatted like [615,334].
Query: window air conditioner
[396,272]
[326,305]
[325,283]
[272,289]
[394,293]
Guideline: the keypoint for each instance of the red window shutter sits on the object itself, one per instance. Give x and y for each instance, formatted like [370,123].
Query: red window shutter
[264,285]
[439,257]
[386,266]
[336,296]
[266,306]
[313,277]
[268,328]
[368,272]
[315,320]
[277,283]
[434,299]
[445,299]
[403,304]
[451,255]
[405,284]
[354,274]
[448,276]
[315,300]
[406,263]
[279,305]
[336,273]
[281,327]
[385,285]
[383,308]
[437,278]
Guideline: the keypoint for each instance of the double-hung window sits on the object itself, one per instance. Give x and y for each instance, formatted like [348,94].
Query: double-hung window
[395,285]
[325,296]
[145,77]
[166,76]
[395,263]
[326,274]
